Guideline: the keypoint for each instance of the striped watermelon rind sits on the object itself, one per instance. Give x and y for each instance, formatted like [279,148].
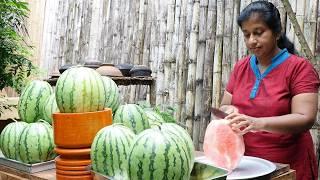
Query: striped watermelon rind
[112,94]
[110,150]
[49,108]
[132,116]
[154,118]
[184,137]
[36,143]
[80,89]
[9,139]
[156,154]
[32,100]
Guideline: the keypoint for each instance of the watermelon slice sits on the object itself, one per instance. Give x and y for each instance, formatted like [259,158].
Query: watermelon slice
[222,145]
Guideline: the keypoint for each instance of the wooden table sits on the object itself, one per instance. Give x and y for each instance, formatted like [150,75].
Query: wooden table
[126,81]
[283,172]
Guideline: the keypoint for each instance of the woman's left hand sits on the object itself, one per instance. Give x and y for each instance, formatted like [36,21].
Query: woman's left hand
[242,123]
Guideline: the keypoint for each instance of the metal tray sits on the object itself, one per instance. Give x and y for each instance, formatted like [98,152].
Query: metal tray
[200,171]
[29,168]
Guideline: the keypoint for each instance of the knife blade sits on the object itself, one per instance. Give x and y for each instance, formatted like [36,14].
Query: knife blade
[218,113]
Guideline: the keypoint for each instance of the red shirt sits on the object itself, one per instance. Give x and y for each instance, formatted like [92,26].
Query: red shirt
[294,76]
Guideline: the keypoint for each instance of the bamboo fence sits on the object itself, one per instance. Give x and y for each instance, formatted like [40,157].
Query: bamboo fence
[190,45]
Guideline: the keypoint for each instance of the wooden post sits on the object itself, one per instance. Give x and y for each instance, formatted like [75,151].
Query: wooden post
[193,48]
[304,45]
[198,108]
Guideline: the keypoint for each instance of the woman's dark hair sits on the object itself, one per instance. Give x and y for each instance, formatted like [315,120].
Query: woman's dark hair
[271,16]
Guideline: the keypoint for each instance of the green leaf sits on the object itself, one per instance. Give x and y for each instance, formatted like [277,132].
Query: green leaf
[15,66]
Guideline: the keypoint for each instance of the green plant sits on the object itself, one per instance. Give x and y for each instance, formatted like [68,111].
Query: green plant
[15,66]
[4,104]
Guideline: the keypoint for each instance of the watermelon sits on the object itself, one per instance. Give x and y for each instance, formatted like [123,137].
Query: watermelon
[32,100]
[80,89]
[184,137]
[49,108]
[158,154]
[132,116]
[36,143]
[112,94]
[222,146]
[110,149]
[9,139]
[154,118]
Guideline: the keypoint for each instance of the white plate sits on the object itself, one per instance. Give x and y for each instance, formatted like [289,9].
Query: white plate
[249,167]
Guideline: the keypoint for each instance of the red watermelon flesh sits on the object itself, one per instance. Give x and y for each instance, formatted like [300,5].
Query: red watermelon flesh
[222,145]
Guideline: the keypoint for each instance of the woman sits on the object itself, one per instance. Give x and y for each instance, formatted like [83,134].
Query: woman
[272,95]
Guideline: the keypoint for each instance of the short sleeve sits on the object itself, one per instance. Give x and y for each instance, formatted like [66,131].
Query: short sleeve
[305,79]
[232,79]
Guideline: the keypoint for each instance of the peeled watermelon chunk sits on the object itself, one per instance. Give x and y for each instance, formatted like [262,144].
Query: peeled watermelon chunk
[222,145]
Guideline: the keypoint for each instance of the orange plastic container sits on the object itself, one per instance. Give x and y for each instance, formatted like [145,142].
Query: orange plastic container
[72,168]
[83,153]
[80,177]
[72,162]
[77,130]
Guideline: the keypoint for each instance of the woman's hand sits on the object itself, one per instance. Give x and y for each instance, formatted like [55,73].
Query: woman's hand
[229,109]
[242,123]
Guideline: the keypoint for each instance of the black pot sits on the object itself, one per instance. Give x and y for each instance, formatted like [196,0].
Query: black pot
[125,68]
[140,71]
[92,64]
[65,67]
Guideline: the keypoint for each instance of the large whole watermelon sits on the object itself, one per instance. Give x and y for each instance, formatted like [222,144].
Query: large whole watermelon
[36,143]
[184,137]
[132,116]
[49,108]
[9,139]
[110,150]
[80,89]
[112,94]
[154,118]
[159,154]
[32,100]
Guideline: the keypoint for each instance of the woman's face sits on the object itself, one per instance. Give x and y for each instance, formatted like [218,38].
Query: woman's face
[259,38]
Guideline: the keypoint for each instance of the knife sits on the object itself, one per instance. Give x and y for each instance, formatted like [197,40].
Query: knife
[218,113]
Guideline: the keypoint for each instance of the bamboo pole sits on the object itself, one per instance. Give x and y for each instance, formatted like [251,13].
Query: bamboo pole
[126,45]
[140,90]
[235,33]
[105,31]
[95,30]
[227,43]
[146,44]
[162,41]
[298,32]
[168,57]
[289,28]
[46,53]
[174,49]
[208,68]
[154,45]
[181,65]
[189,13]
[198,108]
[218,53]
[135,59]
[191,86]
[242,51]
[300,11]
[310,24]
[34,24]
[282,12]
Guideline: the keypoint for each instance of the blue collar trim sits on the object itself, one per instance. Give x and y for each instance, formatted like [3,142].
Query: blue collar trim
[277,60]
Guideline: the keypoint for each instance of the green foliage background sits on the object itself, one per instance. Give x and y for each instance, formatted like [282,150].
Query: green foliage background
[15,66]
